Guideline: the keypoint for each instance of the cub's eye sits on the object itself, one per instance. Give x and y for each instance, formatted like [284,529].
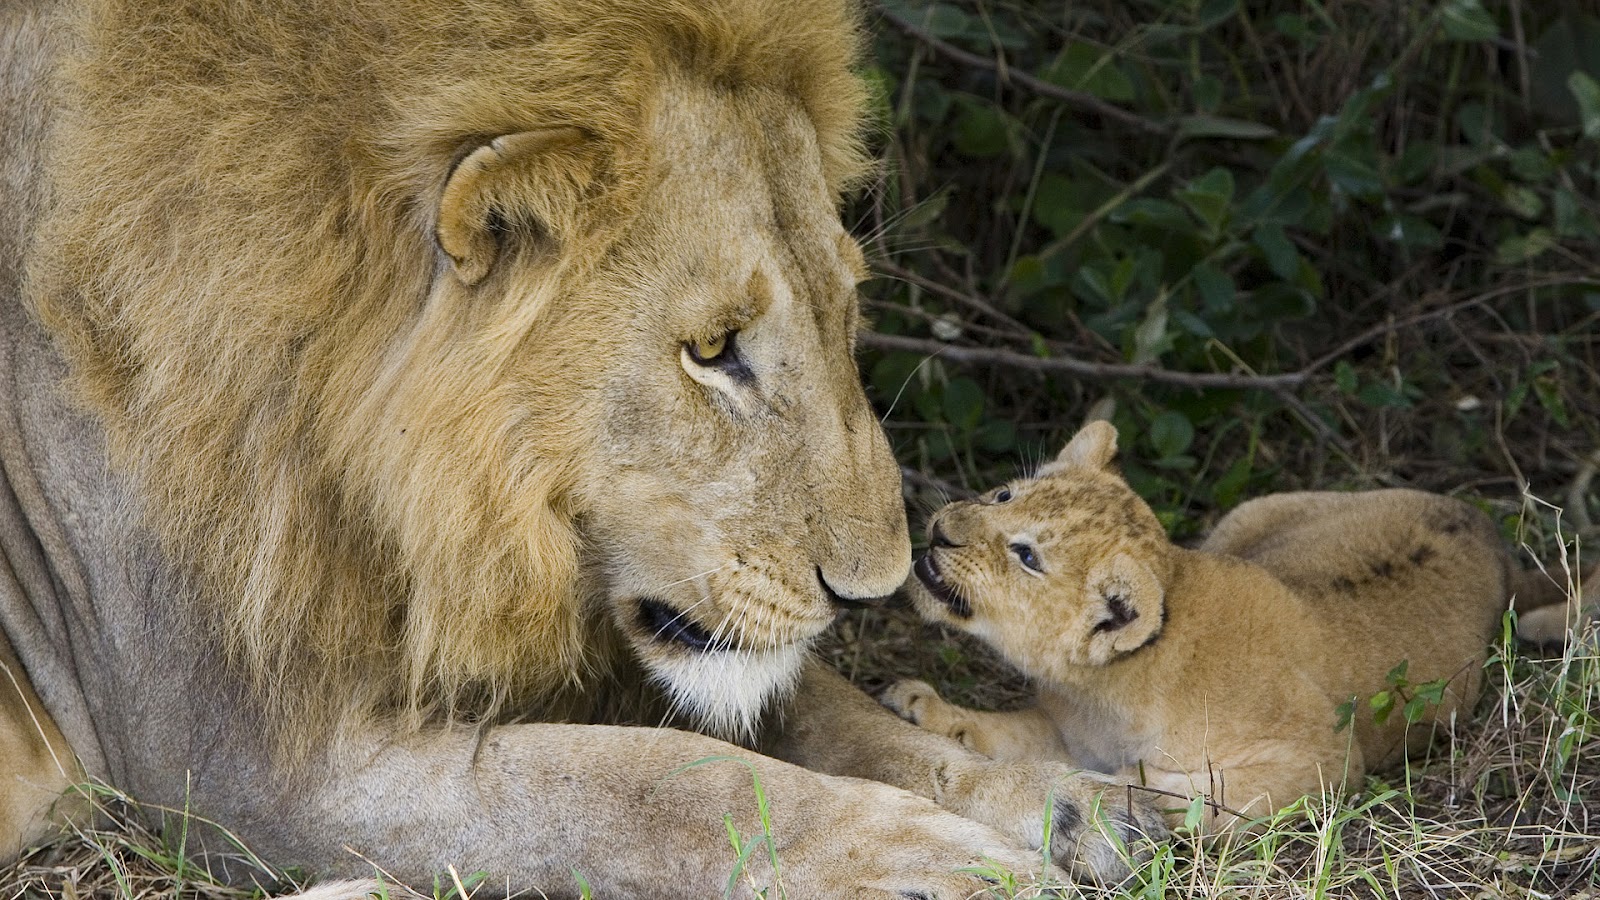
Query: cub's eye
[707,351]
[1026,555]
[1002,496]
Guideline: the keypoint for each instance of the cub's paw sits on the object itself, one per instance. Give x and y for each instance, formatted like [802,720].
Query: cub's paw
[918,703]
[1098,827]
[910,699]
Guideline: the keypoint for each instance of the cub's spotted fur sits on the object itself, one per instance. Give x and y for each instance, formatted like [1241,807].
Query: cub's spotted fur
[1215,671]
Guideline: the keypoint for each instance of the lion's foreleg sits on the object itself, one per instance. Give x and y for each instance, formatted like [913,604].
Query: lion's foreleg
[636,812]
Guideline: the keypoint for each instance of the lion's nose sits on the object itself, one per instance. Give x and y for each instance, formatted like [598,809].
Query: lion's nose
[937,536]
[844,600]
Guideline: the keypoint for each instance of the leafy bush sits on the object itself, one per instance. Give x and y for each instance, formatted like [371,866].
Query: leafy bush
[1280,244]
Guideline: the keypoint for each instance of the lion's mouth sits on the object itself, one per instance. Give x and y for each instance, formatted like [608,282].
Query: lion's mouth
[668,626]
[932,579]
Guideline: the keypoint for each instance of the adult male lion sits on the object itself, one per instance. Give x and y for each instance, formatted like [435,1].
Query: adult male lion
[384,379]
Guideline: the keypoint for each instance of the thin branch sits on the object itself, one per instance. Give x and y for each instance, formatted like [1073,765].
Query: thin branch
[1213,380]
[949,293]
[1039,86]
[1385,328]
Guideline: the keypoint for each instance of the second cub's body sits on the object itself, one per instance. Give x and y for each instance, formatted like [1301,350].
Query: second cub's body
[1215,671]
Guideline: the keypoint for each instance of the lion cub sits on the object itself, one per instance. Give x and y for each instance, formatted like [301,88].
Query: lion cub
[1216,671]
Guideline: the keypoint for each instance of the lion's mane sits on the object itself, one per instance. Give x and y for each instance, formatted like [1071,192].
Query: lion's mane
[241,267]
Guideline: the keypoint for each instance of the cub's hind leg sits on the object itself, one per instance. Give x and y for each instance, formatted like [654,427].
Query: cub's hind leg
[1026,734]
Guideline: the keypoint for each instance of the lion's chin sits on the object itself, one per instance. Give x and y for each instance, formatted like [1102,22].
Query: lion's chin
[727,692]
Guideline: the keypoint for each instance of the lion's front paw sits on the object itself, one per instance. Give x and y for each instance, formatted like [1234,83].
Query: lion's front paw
[1098,827]
[874,842]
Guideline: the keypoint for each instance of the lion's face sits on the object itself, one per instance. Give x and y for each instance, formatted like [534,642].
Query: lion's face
[739,485]
[1052,570]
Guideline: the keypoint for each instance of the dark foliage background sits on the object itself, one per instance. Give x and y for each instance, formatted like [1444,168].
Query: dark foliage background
[1281,244]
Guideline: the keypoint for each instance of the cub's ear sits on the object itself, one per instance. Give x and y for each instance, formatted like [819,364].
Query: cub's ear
[1127,607]
[528,179]
[1094,446]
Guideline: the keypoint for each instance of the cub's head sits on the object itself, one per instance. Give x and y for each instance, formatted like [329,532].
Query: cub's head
[1062,569]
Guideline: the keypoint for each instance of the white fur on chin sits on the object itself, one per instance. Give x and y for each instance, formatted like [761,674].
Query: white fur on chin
[726,691]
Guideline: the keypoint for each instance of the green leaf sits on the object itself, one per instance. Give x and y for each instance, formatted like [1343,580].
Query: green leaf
[1195,813]
[1587,92]
[1382,395]
[1208,126]
[1397,675]
[1572,220]
[1344,375]
[1215,12]
[927,212]
[1519,249]
[1209,197]
[996,436]
[1352,171]
[1171,433]
[1296,27]
[1467,20]
[1523,201]
[1216,288]
[963,404]
[1416,162]
[980,130]
[1414,710]
[1087,68]
[1153,212]
[1382,705]
[1410,231]
[892,376]
[1227,490]
[1151,339]
[1278,301]
[1279,251]
[1345,713]
[1207,92]
[942,20]
[1547,388]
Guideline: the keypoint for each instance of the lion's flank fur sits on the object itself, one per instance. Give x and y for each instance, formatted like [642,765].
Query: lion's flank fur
[241,268]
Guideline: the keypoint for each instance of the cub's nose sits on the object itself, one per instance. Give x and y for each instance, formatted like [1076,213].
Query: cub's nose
[848,602]
[937,536]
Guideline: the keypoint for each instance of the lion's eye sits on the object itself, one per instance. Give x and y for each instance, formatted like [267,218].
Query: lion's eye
[1026,555]
[706,351]
[1002,496]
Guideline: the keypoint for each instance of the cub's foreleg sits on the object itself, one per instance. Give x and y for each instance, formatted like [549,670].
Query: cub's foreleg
[1026,734]
[831,726]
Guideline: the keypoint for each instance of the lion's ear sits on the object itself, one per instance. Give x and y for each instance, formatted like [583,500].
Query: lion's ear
[1094,446]
[516,179]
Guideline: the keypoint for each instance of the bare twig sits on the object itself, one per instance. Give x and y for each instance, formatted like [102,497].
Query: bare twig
[1043,88]
[1214,380]
[1383,329]
[949,293]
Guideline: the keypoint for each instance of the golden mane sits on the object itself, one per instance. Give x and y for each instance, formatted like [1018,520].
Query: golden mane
[239,267]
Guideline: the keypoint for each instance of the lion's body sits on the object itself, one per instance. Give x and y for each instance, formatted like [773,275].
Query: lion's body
[379,375]
[1240,651]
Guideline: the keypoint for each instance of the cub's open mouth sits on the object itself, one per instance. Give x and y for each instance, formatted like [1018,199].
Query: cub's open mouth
[668,626]
[932,579]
